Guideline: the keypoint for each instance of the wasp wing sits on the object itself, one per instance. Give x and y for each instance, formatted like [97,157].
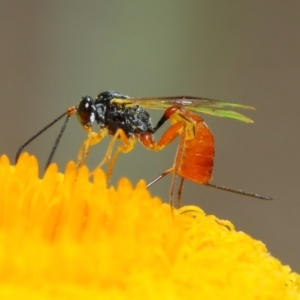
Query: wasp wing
[196,104]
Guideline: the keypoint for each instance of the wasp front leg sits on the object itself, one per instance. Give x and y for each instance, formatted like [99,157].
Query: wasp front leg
[93,139]
[128,145]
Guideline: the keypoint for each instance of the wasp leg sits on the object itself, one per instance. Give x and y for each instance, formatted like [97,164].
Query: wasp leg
[180,192]
[93,138]
[182,126]
[128,145]
[147,139]
[177,129]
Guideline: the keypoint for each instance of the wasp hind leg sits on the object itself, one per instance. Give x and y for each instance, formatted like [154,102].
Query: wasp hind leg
[179,128]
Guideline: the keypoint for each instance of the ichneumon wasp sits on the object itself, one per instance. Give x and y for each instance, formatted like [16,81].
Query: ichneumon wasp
[126,119]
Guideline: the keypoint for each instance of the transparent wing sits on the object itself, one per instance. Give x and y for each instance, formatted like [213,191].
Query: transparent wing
[196,104]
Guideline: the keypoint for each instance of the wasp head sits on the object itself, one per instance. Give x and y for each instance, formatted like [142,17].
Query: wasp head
[86,112]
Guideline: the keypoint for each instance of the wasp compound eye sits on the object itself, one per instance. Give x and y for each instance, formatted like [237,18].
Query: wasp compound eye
[86,111]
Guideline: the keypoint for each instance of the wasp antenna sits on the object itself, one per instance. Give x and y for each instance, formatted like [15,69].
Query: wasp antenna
[36,135]
[69,113]
[240,192]
[57,142]
[71,110]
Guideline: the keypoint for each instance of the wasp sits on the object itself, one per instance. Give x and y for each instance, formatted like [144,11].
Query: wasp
[126,119]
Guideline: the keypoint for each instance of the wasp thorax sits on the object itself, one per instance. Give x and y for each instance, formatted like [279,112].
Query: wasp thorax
[106,97]
[86,112]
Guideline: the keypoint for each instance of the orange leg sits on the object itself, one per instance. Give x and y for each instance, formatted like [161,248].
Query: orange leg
[148,140]
[128,145]
[177,129]
[180,192]
[93,138]
[183,125]
[176,166]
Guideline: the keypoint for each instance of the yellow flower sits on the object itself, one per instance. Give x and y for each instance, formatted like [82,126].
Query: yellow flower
[65,237]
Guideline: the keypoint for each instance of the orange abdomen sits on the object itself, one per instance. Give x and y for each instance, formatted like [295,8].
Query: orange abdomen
[197,159]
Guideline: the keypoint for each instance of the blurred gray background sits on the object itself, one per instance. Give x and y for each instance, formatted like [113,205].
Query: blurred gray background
[55,52]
